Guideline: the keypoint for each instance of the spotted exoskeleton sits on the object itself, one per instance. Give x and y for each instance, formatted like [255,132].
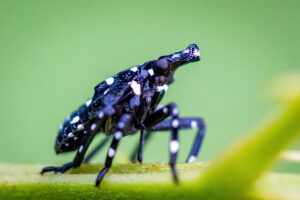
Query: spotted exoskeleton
[124,104]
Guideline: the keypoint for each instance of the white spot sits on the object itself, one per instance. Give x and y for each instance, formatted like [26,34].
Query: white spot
[85,132]
[165,87]
[80,149]
[110,80]
[165,110]
[151,72]
[159,106]
[176,55]
[75,138]
[101,114]
[136,88]
[134,69]
[159,88]
[61,127]
[67,144]
[106,91]
[192,159]
[88,103]
[70,135]
[186,51]
[80,127]
[68,118]
[118,135]
[93,127]
[196,53]
[175,111]
[162,87]
[75,119]
[111,152]
[194,124]
[174,146]
[175,123]
[121,125]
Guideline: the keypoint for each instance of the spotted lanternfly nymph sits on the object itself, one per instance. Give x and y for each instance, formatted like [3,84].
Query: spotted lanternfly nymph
[124,104]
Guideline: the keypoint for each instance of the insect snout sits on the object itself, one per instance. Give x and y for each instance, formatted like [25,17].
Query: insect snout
[190,54]
[193,52]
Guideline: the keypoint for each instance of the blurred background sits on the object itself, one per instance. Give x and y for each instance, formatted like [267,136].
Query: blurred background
[53,53]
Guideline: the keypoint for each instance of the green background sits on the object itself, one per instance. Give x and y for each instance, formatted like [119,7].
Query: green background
[53,53]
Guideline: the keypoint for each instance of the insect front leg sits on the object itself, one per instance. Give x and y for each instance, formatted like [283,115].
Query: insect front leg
[186,123]
[122,125]
[160,115]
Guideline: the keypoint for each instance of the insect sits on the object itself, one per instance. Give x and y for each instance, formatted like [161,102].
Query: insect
[124,104]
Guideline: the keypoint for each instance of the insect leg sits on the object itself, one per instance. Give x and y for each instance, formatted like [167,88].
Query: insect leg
[92,129]
[122,125]
[77,160]
[96,149]
[186,123]
[174,146]
[137,154]
[141,146]
[160,115]
[61,169]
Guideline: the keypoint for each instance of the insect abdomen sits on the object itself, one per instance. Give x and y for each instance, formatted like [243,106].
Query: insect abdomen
[72,132]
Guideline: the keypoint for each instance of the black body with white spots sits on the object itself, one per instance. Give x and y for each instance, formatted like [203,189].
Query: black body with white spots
[124,104]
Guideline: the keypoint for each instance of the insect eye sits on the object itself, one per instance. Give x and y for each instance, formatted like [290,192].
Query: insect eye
[162,63]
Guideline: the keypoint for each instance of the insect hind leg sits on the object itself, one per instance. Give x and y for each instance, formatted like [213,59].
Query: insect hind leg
[61,169]
[92,128]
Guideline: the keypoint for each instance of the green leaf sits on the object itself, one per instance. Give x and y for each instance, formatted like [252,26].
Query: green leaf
[126,181]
